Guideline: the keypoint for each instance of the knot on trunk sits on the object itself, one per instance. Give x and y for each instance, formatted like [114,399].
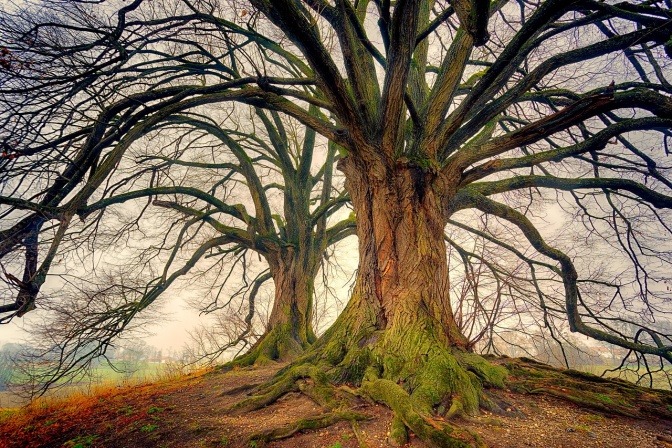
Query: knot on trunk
[422,172]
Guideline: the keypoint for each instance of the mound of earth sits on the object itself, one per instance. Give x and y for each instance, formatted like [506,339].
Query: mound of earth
[544,407]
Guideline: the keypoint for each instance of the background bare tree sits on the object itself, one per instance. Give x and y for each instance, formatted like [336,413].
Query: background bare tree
[191,166]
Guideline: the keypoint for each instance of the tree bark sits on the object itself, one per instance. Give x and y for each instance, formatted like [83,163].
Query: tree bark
[289,331]
[402,280]
[397,336]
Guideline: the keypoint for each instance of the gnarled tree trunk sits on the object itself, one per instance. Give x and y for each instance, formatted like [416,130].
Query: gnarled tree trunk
[289,331]
[397,337]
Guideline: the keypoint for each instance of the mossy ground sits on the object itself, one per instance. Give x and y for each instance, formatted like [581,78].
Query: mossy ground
[423,382]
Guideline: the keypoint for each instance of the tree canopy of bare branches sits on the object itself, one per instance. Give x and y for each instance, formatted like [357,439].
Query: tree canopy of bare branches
[441,111]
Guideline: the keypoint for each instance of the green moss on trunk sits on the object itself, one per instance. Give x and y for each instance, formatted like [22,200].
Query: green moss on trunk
[279,344]
[397,338]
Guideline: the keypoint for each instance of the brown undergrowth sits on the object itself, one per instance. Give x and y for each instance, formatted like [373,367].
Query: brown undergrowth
[541,406]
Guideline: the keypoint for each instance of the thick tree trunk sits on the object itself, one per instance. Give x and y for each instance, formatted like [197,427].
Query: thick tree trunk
[397,337]
[402,251]
[289,330]
[402,284]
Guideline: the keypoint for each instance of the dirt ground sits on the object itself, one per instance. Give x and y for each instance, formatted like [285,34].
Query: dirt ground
[192,412]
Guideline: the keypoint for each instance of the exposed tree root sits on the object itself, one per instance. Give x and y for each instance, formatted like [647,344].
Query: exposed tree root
[431,389]
[358,434]
[422,388]
[239,389]
[610,396]
[439,434]
[287,381]
[320,421]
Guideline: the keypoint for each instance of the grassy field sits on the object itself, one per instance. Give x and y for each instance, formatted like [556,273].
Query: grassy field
[122,374]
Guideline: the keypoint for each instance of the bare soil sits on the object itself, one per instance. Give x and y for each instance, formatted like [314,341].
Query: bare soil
[192,412]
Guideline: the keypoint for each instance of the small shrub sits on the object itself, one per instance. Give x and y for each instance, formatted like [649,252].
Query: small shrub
[154,410]
[126,410]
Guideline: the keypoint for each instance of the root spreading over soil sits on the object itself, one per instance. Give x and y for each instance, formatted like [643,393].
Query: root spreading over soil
[537,406]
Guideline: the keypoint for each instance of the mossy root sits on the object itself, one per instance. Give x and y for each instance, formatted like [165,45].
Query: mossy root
[317,422]
[239,389]
[609,396]
[398,431]
[276,345]
[287,381]
[439,434]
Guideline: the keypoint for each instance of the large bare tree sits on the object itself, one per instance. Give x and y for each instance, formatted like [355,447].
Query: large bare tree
[289,201]
[441,107]
[437,117]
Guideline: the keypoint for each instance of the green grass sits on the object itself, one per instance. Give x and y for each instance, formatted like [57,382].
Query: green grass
[130,371]
[592,418]
[660,379]
[84,441]
[604,398]
[103,374]
[149,427]
[6,414]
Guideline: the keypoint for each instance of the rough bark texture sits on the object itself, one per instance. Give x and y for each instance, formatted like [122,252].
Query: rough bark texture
[294,262]
[289,331]
[294,278]
[397,337]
